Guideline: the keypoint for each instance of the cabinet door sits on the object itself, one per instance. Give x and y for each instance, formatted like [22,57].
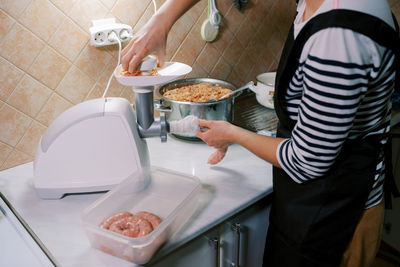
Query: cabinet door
[243,237]
[200,252]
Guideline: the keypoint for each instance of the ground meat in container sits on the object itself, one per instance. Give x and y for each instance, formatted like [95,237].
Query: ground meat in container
[110,220]
[200,92]
[131,225]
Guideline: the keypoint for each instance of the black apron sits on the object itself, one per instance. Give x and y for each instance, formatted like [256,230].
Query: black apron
[312,223]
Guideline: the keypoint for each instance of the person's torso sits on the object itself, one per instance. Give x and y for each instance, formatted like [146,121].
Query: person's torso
[342,87]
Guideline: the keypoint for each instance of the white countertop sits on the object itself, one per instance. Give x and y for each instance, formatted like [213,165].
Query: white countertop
[238,181]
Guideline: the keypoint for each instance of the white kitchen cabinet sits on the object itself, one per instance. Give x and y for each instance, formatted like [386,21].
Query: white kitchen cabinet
[221,242]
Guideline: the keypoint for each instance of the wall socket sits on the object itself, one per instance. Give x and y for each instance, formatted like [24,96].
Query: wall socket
[101,31]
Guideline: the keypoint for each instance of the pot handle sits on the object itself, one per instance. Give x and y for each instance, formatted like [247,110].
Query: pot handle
[253,88]
[160,106]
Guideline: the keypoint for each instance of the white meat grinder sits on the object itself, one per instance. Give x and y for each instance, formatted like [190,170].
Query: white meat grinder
[96,144]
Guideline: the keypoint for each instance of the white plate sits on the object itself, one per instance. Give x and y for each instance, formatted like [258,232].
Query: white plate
[169,72]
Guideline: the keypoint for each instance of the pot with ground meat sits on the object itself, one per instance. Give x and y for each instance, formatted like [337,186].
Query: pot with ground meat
[199,97]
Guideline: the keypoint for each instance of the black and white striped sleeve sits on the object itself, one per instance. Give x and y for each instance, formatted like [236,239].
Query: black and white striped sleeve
[332,78]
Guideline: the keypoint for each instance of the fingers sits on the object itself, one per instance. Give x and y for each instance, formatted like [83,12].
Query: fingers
[204,123]
[126,58]
[136,60]
[132,55]
[217,156]
[160,58]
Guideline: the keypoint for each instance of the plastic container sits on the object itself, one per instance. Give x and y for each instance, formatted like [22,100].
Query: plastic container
[170,195]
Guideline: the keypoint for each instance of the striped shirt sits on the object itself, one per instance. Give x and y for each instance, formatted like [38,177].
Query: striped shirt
[341,90]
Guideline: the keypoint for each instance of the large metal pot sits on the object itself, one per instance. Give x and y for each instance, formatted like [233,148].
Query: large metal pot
[177,110]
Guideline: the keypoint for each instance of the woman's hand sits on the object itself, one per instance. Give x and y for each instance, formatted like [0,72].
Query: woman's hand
[151,39]
[222,134]
[219,135]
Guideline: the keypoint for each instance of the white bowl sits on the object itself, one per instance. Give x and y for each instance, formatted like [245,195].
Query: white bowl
[265,88]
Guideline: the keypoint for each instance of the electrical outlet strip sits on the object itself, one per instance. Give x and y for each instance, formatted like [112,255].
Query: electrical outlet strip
[100,32]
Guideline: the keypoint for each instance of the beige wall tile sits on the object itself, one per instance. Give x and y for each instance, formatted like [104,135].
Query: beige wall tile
[9,77]
[244,65]
[52,109]
[93,61]
[256,14]
[127,93]
[197,71]
[69,39]
[191,46]
[115,87]
[30,140]
[234,18]
[184,56]
[84,11]
[233,51]
[29,96]
[194,42]
[49,67]
[42,18]
[129,11]
[177,34]
[196,11]
[107,72]
[208,57]
[223,39]
[221,70]
[275,44]
[235,79]
[64,5]
[144,18]
[96,92]
[75,85]
[245,32]
[6,23]
[5,151]
[14,7]
[223,6]
[16,158]
[21,53]
[13,125]
[255,48]
[108,3]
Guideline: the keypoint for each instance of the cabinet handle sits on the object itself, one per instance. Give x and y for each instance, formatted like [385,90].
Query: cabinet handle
[214,242]
[236,227]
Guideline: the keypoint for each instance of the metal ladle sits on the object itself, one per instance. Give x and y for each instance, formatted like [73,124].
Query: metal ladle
[247,85]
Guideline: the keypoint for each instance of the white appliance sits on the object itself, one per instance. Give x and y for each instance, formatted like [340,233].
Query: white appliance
[94,145]
[90,147]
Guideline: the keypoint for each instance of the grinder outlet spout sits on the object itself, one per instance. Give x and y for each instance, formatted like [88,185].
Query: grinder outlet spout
[147,125]
[159,127]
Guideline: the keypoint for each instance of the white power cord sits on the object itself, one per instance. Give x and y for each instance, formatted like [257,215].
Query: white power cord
[155,6]
[113,37]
